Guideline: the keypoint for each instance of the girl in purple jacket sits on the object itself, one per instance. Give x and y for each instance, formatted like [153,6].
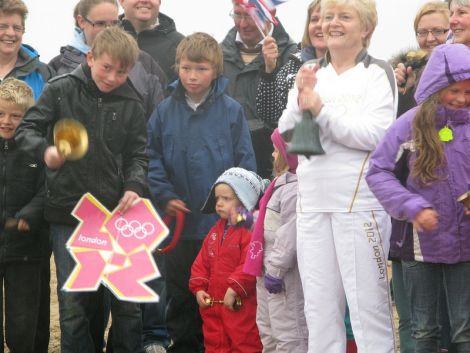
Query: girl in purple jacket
[433,142]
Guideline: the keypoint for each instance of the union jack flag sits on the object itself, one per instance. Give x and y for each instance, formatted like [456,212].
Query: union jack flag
[261,10]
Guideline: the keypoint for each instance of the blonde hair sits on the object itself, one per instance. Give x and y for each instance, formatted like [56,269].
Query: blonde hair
[366,9]
[16,92]
[199,47]
[280,165]
[118,44]
[306,42]
[18,7]
[429,150]
[430,8]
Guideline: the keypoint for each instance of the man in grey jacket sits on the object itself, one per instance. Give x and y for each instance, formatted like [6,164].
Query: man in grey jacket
[242,62]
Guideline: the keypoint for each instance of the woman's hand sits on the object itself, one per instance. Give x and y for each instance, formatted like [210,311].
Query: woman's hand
[310,100]
[405,77]
[307,77]
[426,220]
[270,54]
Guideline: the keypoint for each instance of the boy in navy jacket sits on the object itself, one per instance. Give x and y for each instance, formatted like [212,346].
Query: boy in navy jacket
[194,135]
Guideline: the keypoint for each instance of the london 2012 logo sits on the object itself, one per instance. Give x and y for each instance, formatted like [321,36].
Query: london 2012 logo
[115,249]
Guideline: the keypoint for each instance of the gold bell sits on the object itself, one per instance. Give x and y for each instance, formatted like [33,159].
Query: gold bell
[71,139]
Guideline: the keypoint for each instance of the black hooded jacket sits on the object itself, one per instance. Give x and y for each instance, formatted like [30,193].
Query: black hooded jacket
[116,160]
[160,42]
[21,197]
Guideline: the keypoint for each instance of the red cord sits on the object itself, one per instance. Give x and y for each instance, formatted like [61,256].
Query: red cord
[167,219]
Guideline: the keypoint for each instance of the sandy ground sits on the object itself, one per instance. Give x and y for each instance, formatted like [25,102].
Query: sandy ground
[54,344]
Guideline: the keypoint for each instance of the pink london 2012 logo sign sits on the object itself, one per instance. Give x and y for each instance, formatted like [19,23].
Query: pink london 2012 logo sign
[115,249]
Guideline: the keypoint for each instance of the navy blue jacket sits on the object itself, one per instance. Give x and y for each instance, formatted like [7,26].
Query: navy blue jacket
[189,149]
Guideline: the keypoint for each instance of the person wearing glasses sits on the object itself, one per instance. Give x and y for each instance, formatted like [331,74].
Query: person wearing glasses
[431,26]
[243,66]
[92,17]
[21,61]
[460,21]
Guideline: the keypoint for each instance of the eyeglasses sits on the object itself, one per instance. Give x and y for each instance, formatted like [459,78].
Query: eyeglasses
[437,32]
[238,16]
[17,28]
[102,24]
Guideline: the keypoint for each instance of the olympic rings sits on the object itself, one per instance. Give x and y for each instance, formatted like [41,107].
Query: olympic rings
[133,228]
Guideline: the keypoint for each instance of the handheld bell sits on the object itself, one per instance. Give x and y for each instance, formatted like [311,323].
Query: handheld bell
[306,137]
[71,139]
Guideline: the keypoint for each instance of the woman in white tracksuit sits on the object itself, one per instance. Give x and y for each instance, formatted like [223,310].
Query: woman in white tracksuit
[342,230]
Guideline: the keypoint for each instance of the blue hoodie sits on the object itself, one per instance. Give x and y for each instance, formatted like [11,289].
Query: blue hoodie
[28,68]
[189,150]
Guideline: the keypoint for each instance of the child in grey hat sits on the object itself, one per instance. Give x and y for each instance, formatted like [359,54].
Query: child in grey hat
[217,277]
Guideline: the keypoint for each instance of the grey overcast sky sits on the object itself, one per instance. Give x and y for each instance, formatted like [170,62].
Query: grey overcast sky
[50,23]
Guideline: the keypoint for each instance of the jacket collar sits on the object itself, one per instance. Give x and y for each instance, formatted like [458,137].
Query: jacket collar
[165,25]
[446,116]
[126,90]
[218,88]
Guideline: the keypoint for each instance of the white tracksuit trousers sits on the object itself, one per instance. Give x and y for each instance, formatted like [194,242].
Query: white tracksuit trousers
[346,254]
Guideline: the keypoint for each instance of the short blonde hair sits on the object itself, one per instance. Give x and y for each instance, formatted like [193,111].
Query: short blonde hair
[430,8]
[199,47]
[16,92]
[118,44]
[366,9]
[306,42]
[10,7]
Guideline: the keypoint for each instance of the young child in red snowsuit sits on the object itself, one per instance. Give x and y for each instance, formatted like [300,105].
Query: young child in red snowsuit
[217,273]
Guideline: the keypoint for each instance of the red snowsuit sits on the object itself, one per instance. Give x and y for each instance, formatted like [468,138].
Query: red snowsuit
[219,265]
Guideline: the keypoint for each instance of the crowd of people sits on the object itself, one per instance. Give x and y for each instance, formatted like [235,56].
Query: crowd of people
[279,253]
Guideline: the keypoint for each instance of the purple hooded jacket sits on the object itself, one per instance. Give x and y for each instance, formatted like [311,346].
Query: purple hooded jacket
[403,199]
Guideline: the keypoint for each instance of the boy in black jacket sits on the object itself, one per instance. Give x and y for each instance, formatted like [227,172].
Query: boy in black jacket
[114,170]
[23,234]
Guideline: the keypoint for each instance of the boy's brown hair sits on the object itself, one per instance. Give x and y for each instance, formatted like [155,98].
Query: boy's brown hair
[118,44]
[199,47]
[9,7]
[16,92]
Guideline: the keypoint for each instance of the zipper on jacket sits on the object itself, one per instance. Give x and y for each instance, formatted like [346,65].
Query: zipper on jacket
[99,131]
[4,177]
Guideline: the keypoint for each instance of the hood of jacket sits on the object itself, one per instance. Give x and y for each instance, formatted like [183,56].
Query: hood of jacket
[448,63]
[218,88]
